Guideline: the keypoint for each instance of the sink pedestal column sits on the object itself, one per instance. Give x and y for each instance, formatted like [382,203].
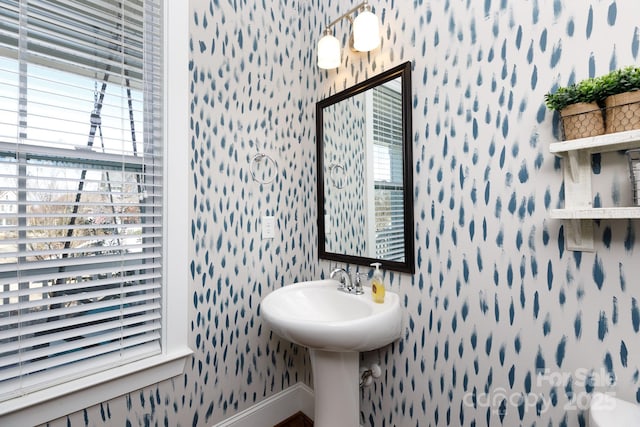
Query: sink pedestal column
[336,388]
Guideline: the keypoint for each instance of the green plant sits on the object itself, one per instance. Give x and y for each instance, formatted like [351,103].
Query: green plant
[595,89]
[563,96]
[584,91]
[619,81]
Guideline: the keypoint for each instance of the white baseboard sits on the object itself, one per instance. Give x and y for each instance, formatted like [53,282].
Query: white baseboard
[274,409]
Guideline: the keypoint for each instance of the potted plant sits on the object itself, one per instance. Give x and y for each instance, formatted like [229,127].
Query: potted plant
[620,90]
[578,107]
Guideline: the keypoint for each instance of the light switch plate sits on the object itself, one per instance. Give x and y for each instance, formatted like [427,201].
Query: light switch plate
[268,227]
[327,224]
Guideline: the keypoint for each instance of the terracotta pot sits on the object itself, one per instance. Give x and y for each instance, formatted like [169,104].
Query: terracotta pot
[582,120]
[622,111]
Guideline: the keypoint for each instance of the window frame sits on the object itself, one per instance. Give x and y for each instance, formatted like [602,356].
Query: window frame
[63,399]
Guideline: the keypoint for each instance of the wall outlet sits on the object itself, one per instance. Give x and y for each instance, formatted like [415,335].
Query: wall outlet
[268,227]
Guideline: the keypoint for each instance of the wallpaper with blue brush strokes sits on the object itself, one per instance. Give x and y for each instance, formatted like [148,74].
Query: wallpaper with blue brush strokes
[503,326]
[344,134]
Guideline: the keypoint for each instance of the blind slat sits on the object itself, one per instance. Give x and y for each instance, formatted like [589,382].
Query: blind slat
[82,309]
[96,324]
[57,253]
[81,353]
[115,257]
[31,240]
[25,384]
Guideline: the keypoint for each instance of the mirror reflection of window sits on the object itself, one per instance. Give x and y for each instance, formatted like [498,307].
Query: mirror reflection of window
[384,170]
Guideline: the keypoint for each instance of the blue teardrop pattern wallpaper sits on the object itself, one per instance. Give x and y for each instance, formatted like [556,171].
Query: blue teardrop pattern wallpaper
[503,325]
[245,87]
[245,91]
[344,167]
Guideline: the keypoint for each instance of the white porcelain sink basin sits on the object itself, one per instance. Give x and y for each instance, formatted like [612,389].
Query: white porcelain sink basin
[335,326]
[316,315]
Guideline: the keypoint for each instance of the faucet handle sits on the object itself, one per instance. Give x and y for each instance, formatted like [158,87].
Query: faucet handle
[343,277]
[358,283]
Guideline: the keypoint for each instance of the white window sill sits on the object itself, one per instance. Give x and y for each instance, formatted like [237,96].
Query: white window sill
[55,402]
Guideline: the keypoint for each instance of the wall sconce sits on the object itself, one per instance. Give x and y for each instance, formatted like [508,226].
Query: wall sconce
[365,37]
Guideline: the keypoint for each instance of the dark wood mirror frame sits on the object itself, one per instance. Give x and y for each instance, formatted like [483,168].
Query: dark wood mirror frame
[404,72]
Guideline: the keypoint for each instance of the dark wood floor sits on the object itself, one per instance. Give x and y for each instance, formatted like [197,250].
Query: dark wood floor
[296,420]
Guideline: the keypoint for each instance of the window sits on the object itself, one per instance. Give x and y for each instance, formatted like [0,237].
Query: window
[84,282]
[386,225]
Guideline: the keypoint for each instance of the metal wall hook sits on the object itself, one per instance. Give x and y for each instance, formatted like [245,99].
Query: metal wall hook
[257,158]
[335,180]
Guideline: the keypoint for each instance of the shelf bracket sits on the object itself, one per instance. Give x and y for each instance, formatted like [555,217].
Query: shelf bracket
[577,194]
[579,235]
[578,212]
[573,165]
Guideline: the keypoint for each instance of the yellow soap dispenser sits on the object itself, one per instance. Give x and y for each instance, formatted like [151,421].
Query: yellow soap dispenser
[377,285]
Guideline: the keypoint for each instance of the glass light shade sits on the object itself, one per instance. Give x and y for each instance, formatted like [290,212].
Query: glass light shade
[329,52]
[366,31]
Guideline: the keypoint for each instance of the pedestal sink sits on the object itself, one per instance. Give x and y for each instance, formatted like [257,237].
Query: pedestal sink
[335,326]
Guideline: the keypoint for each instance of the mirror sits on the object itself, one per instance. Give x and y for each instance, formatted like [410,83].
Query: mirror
[365,165]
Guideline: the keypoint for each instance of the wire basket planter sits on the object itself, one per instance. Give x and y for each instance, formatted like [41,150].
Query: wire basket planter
[582,120]
[623,112]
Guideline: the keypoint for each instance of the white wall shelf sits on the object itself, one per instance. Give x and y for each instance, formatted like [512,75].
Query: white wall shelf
[599,144]
[597,213]
[579,211]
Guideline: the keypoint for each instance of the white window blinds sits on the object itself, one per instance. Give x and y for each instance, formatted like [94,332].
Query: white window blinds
[387,170]
[80,188]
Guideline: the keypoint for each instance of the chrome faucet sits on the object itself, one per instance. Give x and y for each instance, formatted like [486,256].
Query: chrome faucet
[346,285]
[344,279]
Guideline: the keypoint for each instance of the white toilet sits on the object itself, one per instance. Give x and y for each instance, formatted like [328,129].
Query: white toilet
[608,411]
